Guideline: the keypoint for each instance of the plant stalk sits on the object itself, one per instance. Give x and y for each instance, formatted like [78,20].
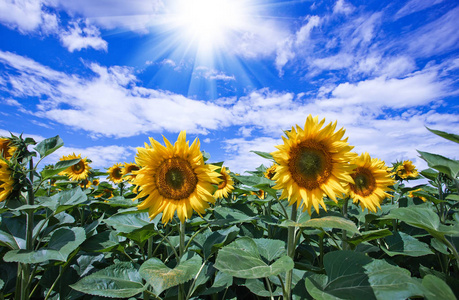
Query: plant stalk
[291,253]
[181,288]
[344,244]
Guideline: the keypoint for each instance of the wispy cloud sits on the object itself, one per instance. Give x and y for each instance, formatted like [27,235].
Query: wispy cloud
[81,35]
[414,6]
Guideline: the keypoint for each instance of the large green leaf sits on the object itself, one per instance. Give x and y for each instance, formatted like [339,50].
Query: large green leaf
[48,146]
[63,242]
[441,163]
[325,222]
[161,277]
[12,231]
[264,154]
[101,242]
[218,239]
[448,136]
[424,218]
[403,244]
[353,275]
[129,222]
[69,198]
[58,167]
[228,216]
[369,236]
[121,280]
[242,259]
[436,288]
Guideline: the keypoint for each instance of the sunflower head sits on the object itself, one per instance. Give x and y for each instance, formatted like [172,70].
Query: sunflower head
[371,182]
[79,171]
[271,171]
[105,193]
[313,162]
[226,186]
[174,178]
[115,173]
[260,194]
[7,148]
[406,170]
[85,183]
[130,168]
[95,182]
[412,194]
[6,180]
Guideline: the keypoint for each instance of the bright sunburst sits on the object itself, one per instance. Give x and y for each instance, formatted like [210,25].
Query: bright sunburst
[208,23]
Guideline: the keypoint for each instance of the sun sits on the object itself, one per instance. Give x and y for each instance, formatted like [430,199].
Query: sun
[209,23]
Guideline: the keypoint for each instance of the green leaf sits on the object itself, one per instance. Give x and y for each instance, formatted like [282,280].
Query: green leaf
[270,249]
[69,198]
[48,146]
[403,244]
[264,154]
[129,222]
[325,222]
[222,281]
[218,239]
[242,259]
[228,216]
[121,280]
[369,236]
[441,163]
[161,277]
[101,242]
[448,136]
[424,218]
[353,275]
[436,288]
[59,167]
[63,242]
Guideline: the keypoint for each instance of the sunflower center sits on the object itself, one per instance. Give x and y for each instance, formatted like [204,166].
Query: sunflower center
[310,164]
[365,182]
[176,179]
[117,173]
[222,184]
[78,168]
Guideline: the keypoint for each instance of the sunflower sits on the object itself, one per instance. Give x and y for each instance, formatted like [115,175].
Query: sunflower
[6,148]
[371,181]
[106,193]
[174,178]
[313,162]
[411,194]
[128,169]
[407,170]
[260,194]
[6,182]
[85,184]
[79,171]
[115,173]
[271,171]
[95,182]
[226,186]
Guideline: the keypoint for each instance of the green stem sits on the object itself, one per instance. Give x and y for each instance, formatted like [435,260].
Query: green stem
[344,232]
[442,204]
[321,247]
[452,248]
[192,287]
[268,283]
[291,253]
[146,295]
[181,288]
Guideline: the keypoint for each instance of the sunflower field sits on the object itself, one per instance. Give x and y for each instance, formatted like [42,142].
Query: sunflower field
[317,221]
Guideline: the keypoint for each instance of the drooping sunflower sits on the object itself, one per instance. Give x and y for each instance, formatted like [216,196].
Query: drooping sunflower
[225,186]
[115,173]
[95,182]
[407,170]
[313,162]
[271,171]
[128,169]
[174,178]
[7,148]
[412,194]
[371,181]
[79,171]
[6,182]
[260,194]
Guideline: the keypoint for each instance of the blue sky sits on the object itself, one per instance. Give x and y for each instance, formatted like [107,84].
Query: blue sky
[106,75]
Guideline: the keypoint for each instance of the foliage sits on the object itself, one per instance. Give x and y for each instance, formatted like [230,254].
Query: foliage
[59,240]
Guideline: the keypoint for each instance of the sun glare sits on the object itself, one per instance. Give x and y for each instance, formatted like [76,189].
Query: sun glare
[209,23]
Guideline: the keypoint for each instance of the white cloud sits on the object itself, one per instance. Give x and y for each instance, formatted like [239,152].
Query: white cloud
[26,15]
[82,35]
[212,74]
[413,6]
[342,7]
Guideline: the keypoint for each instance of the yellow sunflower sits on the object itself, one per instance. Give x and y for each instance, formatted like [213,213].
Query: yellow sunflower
[106,193]
[128,169]
[412,195]
[313,162]
[95,182]
[407,170]
[6,182]
[85,183]
[260,194]
[226,186]
[271,171]
[115,173]
[371,181]
[79,171]
[6,148]
[174,178]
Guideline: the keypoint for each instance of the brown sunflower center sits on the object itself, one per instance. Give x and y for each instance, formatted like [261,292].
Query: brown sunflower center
[79,167]
[117,173]
[176,179]
[365,182]
[310,164]
[224,182]
[132,168]
[5,148]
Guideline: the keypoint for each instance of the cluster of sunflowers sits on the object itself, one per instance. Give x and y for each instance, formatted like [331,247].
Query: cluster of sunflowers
[313,163]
